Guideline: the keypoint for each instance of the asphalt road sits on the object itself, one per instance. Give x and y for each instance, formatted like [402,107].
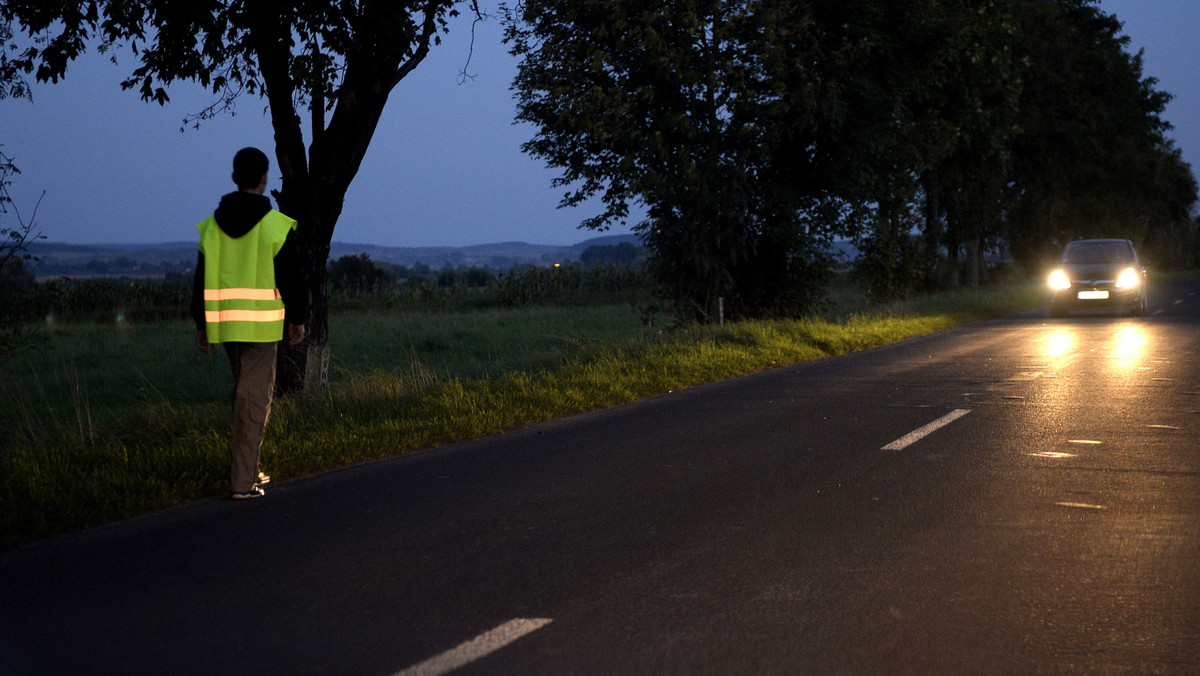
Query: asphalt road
[802,520]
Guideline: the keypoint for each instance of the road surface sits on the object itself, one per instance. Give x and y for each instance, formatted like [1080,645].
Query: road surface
[1013,496]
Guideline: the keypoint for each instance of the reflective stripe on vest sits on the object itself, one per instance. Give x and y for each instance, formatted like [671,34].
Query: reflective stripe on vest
[241,302]
[244,315]
[242,294]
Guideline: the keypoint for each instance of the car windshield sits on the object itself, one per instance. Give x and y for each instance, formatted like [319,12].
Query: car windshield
[1098,252]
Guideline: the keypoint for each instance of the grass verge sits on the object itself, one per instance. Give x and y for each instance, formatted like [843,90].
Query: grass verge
[166,451]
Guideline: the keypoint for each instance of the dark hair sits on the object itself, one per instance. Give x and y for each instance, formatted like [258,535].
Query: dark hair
[249,165]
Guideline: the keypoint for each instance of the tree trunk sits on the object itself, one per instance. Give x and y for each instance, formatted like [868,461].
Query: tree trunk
[952,249]
[315,181]
[973,257]
[308,365]
[932,239]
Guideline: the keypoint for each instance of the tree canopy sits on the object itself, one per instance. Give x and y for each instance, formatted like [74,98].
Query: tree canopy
[336,61]
[752,132]
[679,107]
[1093,157]
[929,131]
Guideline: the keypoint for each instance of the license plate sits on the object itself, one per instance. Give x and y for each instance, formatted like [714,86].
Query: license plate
[1093,295]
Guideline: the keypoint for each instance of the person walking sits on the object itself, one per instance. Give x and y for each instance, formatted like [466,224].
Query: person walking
[248,285]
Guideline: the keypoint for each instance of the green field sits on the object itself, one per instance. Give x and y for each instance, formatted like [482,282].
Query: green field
[84,376]
[112,419]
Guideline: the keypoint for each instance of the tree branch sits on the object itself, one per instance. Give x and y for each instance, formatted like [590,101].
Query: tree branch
[428,29]
[480,17]
[272,46]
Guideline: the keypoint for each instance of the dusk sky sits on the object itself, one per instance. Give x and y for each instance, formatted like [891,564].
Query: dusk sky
[444,169]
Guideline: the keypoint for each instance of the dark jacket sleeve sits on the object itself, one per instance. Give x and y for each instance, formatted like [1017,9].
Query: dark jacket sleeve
[289,279]
[196,307]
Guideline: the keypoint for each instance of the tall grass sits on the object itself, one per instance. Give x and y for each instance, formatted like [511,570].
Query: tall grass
[467,344]
[96,374]
[116,420]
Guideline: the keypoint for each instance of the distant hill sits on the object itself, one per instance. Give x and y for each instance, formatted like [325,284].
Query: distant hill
[148,259]
[161,258]
[502,255]
[111,259]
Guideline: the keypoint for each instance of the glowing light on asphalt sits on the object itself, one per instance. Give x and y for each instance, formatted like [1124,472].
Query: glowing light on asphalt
[1130,343]
[1059,344]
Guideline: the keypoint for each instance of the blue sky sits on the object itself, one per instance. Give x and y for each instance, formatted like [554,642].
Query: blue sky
[444,169]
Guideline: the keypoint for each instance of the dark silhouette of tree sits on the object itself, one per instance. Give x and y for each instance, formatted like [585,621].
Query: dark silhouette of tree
[930,131]
[1092,158]
[625,252]
[17,283]
[335,61]
[358,275]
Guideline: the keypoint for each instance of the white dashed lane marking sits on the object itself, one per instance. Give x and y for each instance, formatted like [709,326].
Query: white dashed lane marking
[1080,505]
[480,646]
[920,433]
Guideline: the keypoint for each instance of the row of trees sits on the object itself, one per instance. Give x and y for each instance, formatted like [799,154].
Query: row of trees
[359,275]
[753,132]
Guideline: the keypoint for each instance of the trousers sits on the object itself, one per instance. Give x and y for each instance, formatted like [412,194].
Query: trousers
[253,367]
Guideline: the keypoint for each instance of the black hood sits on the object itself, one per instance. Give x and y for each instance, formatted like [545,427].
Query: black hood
[241,211]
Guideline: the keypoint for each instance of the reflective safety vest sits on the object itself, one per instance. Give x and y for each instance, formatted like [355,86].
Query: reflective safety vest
[241,302]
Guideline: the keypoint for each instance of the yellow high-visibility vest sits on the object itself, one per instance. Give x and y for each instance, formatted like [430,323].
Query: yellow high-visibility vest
[241,302]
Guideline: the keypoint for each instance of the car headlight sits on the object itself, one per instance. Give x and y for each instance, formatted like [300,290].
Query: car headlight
[1059,281]
[1128,279]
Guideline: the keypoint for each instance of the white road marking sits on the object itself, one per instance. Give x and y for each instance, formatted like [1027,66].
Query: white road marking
[1079,505]
[484,644]
[918,434]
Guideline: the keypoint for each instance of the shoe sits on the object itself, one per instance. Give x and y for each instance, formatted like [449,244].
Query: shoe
[255,492]
[263,479]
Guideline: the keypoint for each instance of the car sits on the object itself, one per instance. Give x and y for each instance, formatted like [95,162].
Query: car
[1094,274]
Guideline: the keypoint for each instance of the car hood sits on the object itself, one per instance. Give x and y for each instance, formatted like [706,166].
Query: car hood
[1094,270]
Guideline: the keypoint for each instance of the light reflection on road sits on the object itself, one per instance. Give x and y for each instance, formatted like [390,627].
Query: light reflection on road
[1129,348]
[1097,363]
[1125,349]
[1059,344]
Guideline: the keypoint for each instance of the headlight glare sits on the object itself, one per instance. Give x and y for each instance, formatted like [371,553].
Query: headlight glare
[1059,281]
[1128,279]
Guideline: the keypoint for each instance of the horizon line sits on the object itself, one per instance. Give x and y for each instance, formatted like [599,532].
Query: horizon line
[189,243]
